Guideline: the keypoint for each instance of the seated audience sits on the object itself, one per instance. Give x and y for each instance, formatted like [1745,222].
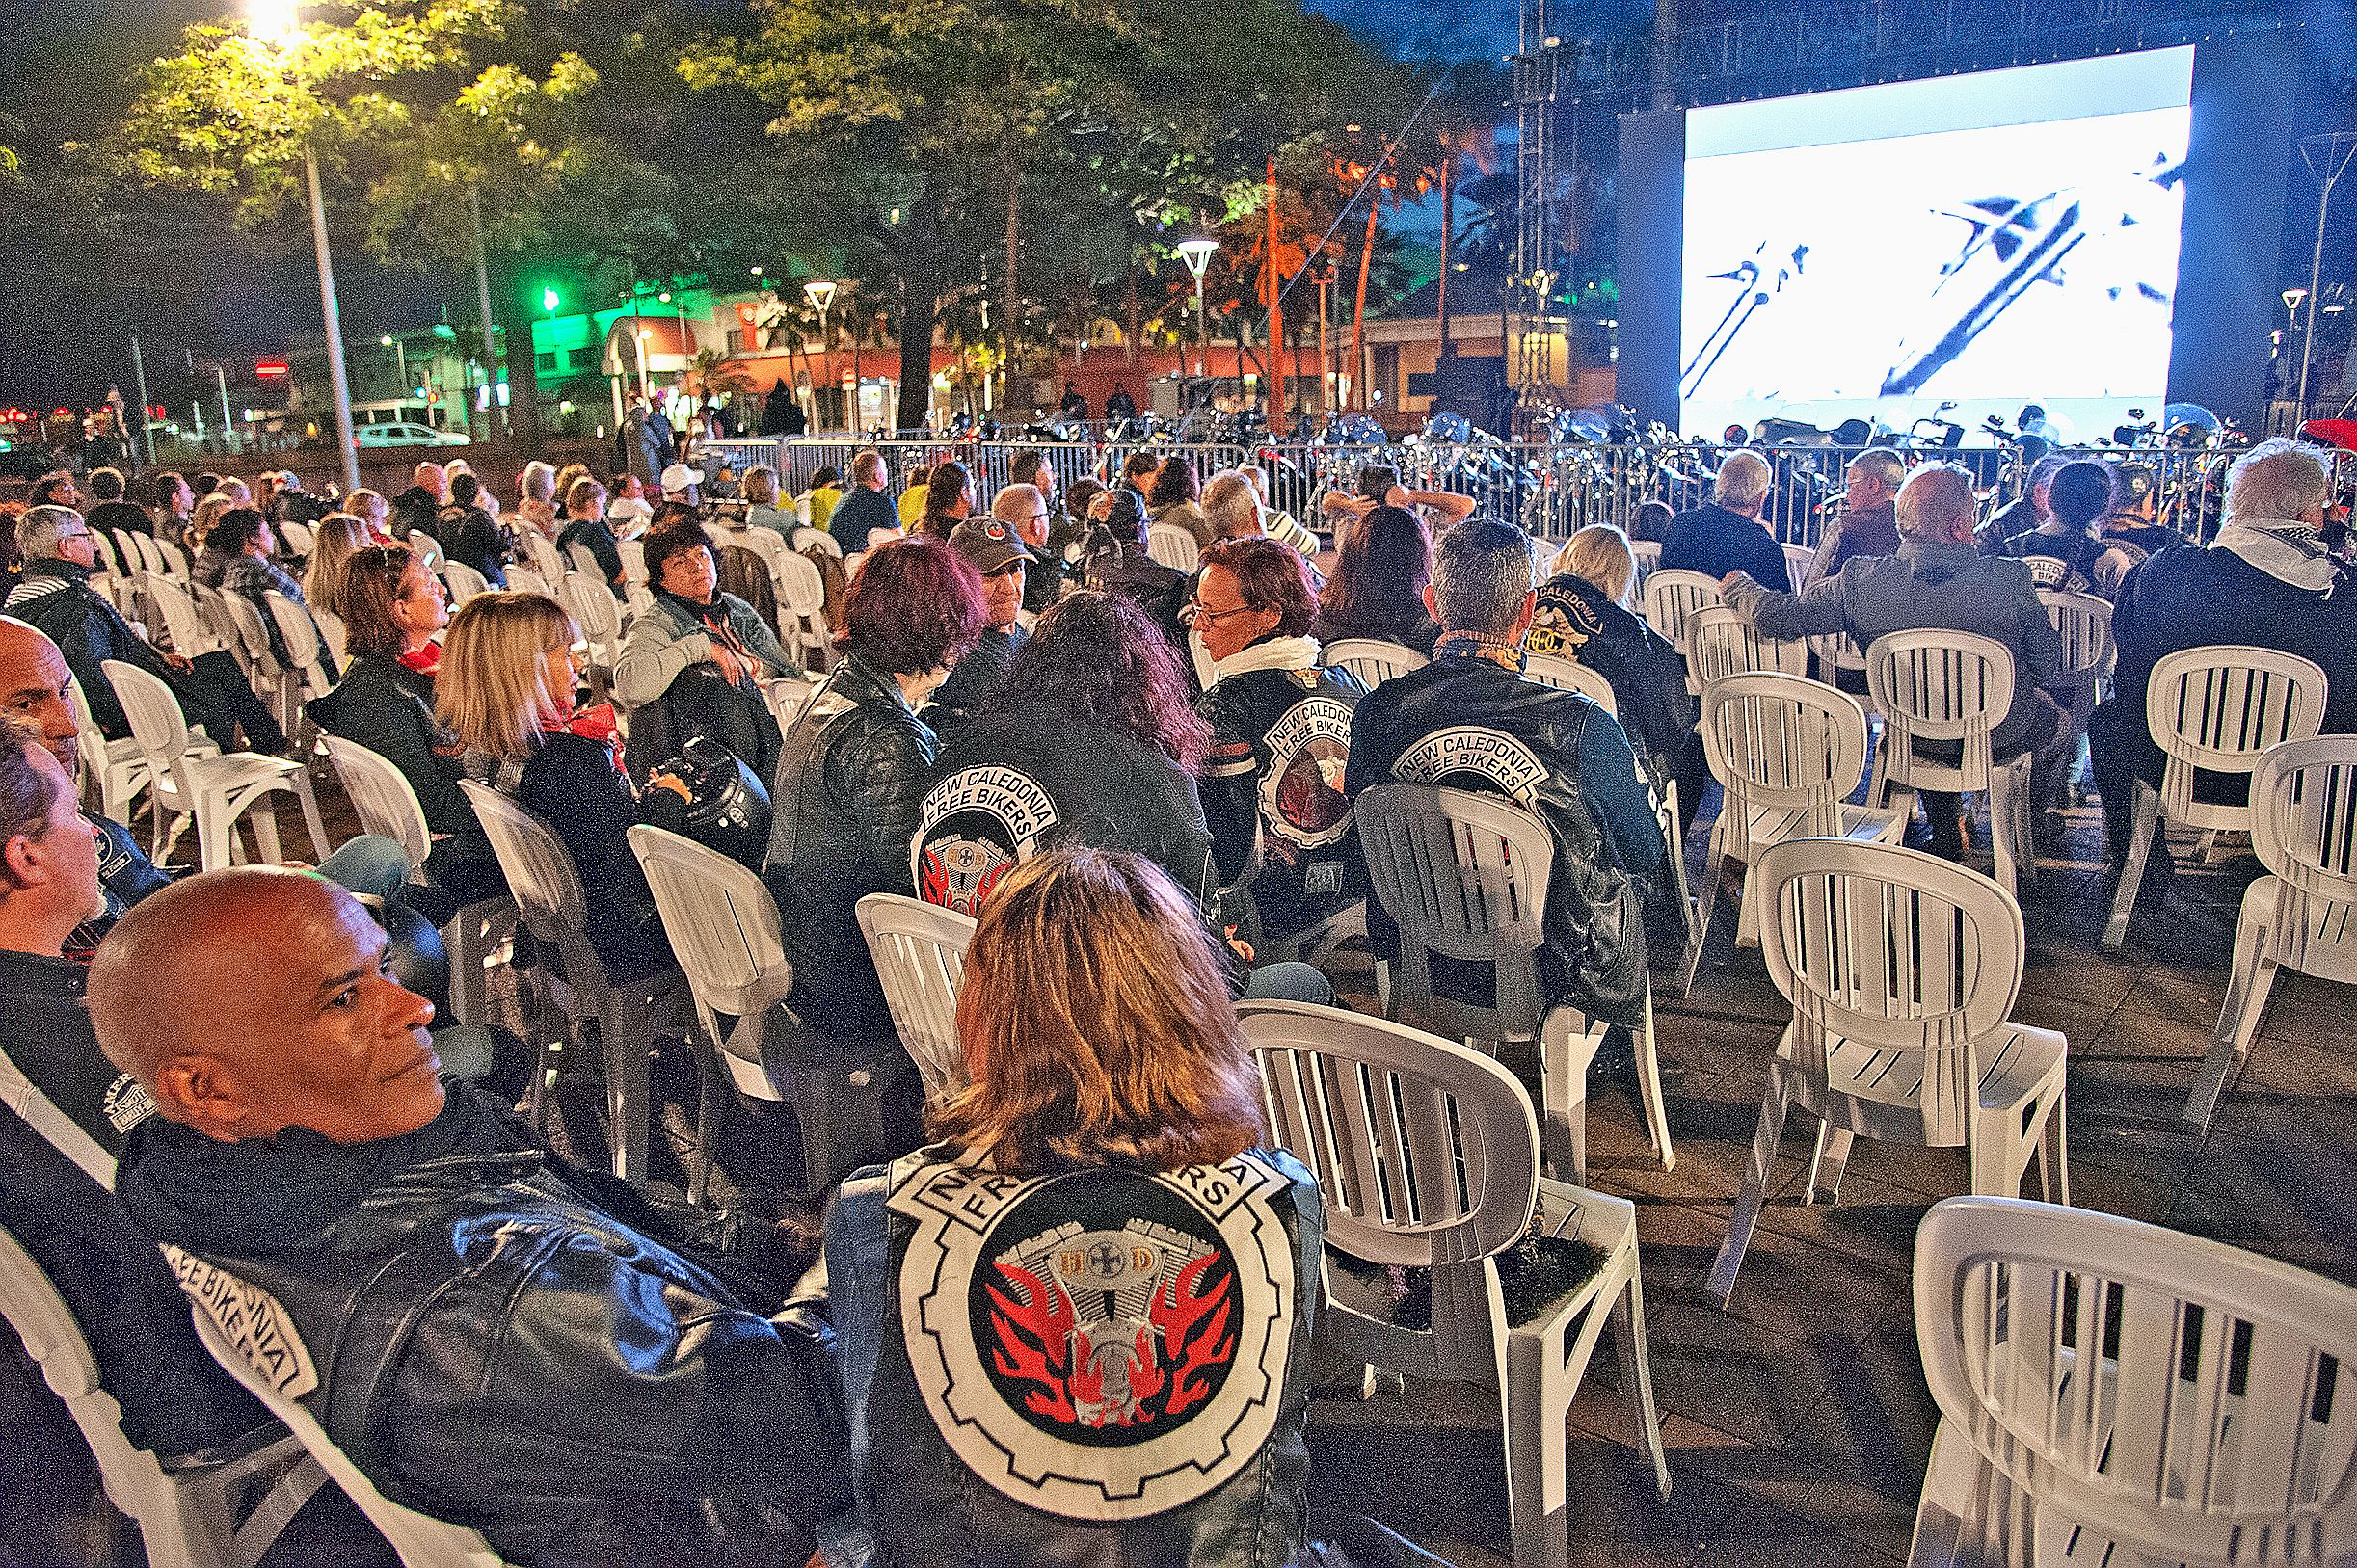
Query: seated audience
[418,508]
[2063,550]
[2133,525]
[1114,561]
[492,1336]
[1108,1087]
[701,654]
[173,500]
[1649,523]
[1585,614]
[628,513]
[1024,509]
[471,536]
[333,540]
[825,489]
[1938,580]
[385,702]
[1383,563]
[1138,472]
[1470,721]
[240,548]
[1280,735]
[948,496]
[1000,560]
[1869,524]
[2028,510]
[864,508]
[762,508]
[506,691]
[1231,506]
[110,510]
[2267,580]
[1177,497]
[536,498]
[1724,534]
[585,525]
[54,596]
[855,766]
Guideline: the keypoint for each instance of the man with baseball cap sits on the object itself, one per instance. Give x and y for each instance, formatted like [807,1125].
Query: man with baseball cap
[679,484]
[998,556]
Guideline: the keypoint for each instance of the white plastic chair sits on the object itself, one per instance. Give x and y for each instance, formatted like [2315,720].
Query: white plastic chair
[591,604]
[577,557]
[1465,876]
[304,645]
[2302,914]
[1718,641]
[547,887]
[1171,545]
[1569,674]
[920,954]
[1952,687]
[2111,1391]
[1671,600]
[1902,970]
[298,538]
[802,594]
[1800,565]
[547,562]
[189,1515]
[807,538]
[387,805]
[183,627]
[423,1542]
[1648,552]
[462,581]
[169,558]
[1788,753]
[213,790]
[120,765]
[523,579]
[633,552]
[1427,1155]
[333,633]
[278,686]
[1372,659]
[2217,710]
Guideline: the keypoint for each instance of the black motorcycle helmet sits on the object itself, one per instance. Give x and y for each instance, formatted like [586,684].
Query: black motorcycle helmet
[727,808]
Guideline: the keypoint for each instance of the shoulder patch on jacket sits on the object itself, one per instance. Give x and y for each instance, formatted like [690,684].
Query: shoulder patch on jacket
[1491,757]
[1302,798]
[253,1320]
[972,828]
[1103,1344]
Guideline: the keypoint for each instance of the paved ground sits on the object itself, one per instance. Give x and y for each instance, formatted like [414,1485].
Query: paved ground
[1797,1422]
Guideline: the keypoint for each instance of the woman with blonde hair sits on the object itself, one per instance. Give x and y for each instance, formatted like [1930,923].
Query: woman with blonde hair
[508,689]
[336,539]
[1121,1230]
[1584,614]
[208,513]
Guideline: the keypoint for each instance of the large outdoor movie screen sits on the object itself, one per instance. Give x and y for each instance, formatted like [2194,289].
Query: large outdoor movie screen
[1981,241]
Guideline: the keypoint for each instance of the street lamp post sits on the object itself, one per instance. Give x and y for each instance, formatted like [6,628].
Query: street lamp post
[821,292]
[1197,251]
[275,24]
[400,359]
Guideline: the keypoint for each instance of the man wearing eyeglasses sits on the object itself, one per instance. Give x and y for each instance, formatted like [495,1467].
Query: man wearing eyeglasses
[54,596]
[1026,509]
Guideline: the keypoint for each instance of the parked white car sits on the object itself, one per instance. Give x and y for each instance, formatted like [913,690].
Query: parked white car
[406,435]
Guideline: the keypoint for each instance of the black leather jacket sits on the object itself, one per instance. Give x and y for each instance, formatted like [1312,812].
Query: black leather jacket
[1136,1345]
[1468,723]
[493,1346]
[1574,621]
[56,597]
[1273,787]
[845,800]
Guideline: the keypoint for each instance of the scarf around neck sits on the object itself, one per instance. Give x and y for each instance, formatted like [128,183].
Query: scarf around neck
[2285,548]
[1269,653]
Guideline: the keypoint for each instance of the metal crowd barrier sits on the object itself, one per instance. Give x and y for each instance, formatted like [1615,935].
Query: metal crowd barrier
[1552,490]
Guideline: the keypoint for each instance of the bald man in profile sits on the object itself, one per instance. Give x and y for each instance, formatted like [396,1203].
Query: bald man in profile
[495,1337]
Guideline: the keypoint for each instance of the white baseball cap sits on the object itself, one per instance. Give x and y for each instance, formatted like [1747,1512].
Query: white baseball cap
[678,479]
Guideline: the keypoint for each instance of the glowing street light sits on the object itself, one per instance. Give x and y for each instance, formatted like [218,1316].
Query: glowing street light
[1197,251]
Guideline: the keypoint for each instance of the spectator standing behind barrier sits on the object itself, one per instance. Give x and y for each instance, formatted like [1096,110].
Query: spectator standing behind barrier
[864,508]
[1936,582]
[53,595]
[1469,720]
[1584,614]
[854,768]
[1724,534]
[1107,1088]
[1281,739]
[2269,580]
[1381,569]
[493,1336]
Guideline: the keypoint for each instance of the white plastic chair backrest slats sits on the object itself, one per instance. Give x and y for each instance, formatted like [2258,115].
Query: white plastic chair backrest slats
[153,713]
[1373,659]
[243,614]
[1569,674]
[1786,742]
[1940,685]
[1171,545]
[2083,623]
[807,538]
[301,637]
[2304,829]
[1894,949]
[2187,1399]
[591,604]
[920,954]
[540,870]
[333,631]
[1672,597]
[182,624]
[801,590]
[579,558]
[1721,643]
[170,557]
[1426,1151]
[721,921]
[1464,875]
[381,798]
[464,580]
[2219,709]
[521,579]
[633,553]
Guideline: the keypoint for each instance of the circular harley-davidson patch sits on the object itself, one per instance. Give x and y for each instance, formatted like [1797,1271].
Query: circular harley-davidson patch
[1102,1345]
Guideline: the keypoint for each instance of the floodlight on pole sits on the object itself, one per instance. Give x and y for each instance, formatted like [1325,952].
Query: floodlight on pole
[276,25]
[1197,251]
